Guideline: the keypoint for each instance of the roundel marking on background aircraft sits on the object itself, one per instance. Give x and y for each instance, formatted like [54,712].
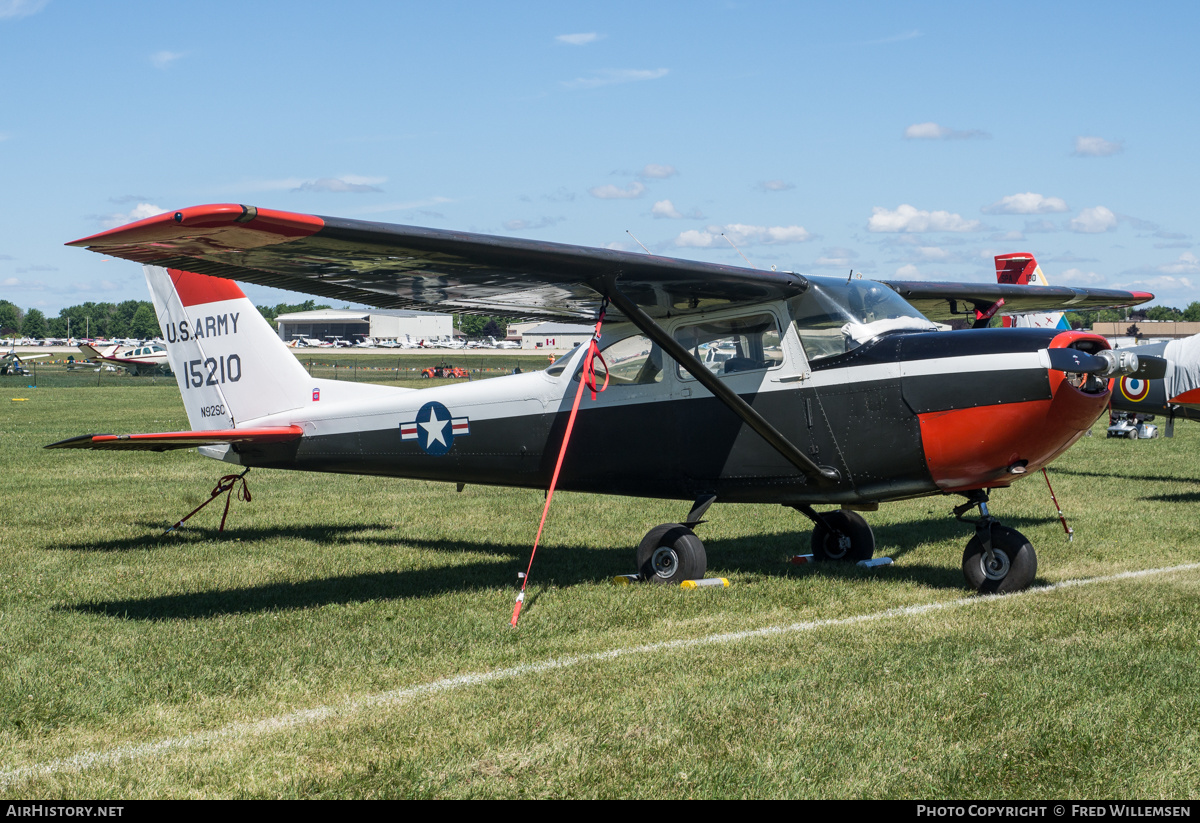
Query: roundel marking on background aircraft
[1135,388]
[435,428]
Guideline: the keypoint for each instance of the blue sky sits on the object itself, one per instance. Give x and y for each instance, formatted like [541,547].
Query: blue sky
[903,140]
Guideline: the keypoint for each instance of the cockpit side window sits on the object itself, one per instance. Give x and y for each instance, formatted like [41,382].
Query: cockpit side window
[631,361]
[733,344]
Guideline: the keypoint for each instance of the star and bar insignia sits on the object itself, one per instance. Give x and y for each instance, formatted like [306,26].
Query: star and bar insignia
[435,428]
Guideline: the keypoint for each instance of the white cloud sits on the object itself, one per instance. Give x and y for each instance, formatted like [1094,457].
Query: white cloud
[742,235]
[932,253]
[1163,283]
[1041,227]
[581,39]
[12,9]
[380,208]
[608,77]
[665,208]
[162,59]
[908,218]
[1186,264]
[1094,220]
[23,285]
[775,185]
[908,272]
[139,212]
[836,258]
[657,171]
[932,131]
[529,225]
[611,192]
[346,183]
[1027,203]
[1097,147]
[1079,277]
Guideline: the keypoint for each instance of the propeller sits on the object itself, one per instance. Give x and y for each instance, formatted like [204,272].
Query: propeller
[1108,363]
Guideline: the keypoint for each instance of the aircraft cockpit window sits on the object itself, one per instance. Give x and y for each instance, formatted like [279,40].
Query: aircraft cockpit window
[733,344]
[631,361]
[835,317]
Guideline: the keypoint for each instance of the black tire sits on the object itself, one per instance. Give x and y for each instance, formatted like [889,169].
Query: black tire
[1016,562]
[827,543]
[671,553]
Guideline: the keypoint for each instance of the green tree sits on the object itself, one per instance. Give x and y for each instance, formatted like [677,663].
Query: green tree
[271,312]
[34,325]
[10,319]
[472,325]
[1163,313]
[145,324]
[1192,313]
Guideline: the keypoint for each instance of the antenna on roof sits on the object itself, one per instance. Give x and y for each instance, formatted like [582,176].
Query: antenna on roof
[739,251]
[639,242]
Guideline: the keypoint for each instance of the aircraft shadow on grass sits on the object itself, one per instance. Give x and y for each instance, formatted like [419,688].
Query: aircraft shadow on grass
[765,555]
[1124,475]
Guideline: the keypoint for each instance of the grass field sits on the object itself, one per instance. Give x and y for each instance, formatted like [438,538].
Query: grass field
[349,637]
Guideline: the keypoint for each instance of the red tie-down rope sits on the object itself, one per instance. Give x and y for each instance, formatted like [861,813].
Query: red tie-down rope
[224,486]
[587,376]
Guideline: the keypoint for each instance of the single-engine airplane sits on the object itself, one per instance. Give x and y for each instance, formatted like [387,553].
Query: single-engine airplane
[13,363]
[142,359]
[1177,395]
[838,392]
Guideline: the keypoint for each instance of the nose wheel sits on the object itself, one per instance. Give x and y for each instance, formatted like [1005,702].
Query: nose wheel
[997,560]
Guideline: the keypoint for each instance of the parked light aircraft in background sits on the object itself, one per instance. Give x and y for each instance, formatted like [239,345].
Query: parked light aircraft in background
[838,393]
[137,359]
[1177,394]
[13,363]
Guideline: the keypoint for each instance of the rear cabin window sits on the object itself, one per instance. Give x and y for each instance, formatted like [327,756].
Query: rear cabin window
[734,344]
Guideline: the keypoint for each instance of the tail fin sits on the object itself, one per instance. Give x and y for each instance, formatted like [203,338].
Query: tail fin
[1021,269]
[231,366]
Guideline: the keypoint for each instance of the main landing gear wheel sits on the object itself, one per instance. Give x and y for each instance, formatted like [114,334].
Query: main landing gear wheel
[842,535]
[1013,567]
[671,553]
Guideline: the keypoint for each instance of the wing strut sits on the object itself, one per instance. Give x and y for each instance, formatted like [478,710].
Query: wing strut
[820,474]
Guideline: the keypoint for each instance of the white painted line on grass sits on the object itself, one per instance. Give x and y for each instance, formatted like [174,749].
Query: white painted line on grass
[235,731]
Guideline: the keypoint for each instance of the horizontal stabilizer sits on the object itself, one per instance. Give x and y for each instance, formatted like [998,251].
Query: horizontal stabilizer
[163,441]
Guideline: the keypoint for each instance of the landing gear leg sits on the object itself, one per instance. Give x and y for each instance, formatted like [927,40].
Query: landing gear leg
[997,559]
[841,535]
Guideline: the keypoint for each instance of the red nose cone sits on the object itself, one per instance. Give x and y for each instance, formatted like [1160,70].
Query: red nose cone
[987,446]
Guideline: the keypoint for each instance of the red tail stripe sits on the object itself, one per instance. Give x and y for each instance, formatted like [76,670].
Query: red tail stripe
[194,289]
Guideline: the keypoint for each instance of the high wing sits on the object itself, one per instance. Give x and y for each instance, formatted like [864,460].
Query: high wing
[394,266]
[943,302]
[165,441]
[405,267]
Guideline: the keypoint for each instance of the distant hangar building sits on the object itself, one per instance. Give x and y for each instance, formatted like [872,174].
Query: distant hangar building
[349,324]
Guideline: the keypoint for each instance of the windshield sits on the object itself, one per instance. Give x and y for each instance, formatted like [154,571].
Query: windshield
[833,317]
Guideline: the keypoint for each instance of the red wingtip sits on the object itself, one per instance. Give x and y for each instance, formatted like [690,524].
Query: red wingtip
[200,230]
[1142,296]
